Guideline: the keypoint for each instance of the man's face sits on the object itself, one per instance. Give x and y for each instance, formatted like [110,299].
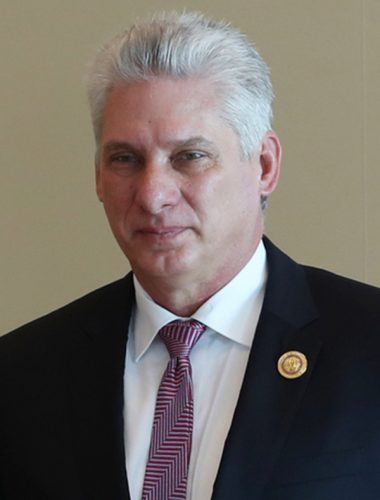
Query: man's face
[182,203]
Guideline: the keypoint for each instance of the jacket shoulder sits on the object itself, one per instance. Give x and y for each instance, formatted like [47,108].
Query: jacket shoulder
[340,291]
[294,288]
[90,308]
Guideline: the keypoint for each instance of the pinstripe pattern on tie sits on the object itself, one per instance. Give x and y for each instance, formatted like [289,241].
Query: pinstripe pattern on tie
[169,454]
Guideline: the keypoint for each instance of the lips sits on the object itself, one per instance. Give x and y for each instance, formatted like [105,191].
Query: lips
[163,232]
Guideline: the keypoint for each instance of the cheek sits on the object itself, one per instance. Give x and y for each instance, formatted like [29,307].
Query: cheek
[237,188]
[117,209]
[116,193]
[242,199]
[205,198]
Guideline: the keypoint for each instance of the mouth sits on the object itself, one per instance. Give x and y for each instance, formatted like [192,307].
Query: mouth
[161,233]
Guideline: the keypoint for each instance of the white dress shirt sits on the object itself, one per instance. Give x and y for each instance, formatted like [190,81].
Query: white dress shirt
[218,360]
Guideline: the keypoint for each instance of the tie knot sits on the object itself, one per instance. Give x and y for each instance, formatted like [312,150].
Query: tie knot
[181,336]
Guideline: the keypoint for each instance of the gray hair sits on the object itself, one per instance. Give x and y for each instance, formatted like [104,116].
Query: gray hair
[189,45]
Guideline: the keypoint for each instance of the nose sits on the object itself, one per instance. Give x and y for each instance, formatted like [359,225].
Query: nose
[157,188]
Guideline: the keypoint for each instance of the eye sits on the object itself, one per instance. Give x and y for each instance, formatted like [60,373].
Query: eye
[189,157]
[192,159]
[123,162]
[124,158]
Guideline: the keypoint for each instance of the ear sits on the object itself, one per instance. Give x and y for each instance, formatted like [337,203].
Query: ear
[270,163]
[98,181]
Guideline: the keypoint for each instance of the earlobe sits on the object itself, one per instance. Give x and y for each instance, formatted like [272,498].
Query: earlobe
[270,162]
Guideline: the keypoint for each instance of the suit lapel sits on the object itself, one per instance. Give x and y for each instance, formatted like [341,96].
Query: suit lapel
[268,402]
[96,395]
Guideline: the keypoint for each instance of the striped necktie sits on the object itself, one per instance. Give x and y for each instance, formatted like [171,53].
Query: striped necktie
[170,447]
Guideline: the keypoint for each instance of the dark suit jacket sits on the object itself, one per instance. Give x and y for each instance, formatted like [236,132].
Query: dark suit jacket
[311,438]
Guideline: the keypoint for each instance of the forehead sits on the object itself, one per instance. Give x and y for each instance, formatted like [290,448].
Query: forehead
[162,94]
[163,108]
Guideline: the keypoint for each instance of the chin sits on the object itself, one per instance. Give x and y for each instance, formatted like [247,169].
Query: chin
[164,266]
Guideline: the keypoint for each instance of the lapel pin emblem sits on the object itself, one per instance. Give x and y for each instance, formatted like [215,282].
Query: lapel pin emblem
[292,364]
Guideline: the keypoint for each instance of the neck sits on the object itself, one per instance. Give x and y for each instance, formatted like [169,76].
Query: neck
[182,301]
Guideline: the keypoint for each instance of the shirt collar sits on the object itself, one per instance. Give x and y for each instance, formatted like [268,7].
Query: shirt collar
[231,312]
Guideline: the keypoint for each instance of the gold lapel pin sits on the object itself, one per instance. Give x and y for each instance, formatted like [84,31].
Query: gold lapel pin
[292,364]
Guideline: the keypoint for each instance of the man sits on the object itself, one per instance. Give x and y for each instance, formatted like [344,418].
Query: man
[284,400]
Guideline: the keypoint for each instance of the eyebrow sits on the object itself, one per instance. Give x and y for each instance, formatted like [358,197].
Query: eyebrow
[113,146]
[197,141]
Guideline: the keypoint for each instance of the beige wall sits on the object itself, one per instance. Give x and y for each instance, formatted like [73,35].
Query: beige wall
[324,55]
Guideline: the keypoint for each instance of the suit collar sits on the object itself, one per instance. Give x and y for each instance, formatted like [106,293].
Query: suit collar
[94,382]
[287,295]
[108,309]
[268,402]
